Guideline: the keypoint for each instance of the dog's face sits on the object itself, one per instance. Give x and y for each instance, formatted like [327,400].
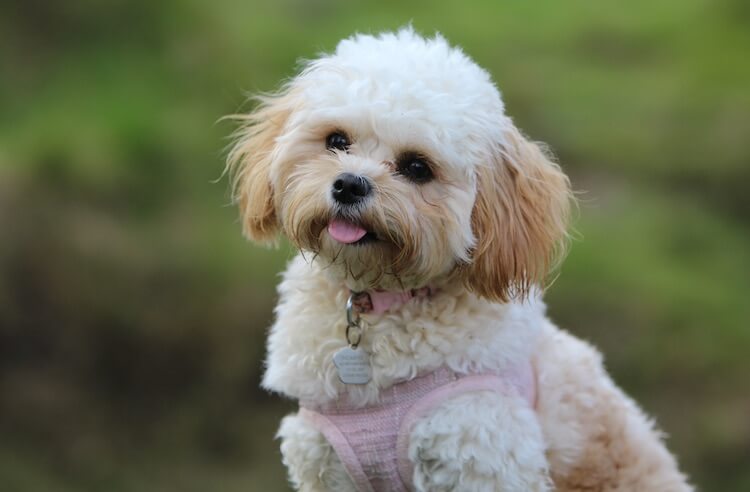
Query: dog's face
[392,161]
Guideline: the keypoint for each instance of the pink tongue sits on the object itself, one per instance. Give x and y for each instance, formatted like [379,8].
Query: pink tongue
[345,232]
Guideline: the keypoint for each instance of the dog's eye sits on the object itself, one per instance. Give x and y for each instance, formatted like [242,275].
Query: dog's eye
[337,141]
[415,168]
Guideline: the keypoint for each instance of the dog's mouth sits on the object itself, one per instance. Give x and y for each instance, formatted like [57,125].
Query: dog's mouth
[352,233]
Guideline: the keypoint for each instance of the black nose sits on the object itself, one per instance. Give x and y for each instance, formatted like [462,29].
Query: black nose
[350,188]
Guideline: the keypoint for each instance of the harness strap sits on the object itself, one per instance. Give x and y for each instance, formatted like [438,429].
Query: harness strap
[342,447]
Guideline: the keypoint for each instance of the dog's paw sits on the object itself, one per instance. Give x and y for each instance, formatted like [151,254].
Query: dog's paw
[479,442]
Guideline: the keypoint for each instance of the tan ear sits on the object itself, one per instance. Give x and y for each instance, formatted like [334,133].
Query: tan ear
[249,164]
[520,220]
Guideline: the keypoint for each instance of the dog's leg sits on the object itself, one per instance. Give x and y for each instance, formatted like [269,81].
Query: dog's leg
[597,437]
[481,441]
[310,460]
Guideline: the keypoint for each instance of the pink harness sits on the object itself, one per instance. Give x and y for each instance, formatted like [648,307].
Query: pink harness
[372,442]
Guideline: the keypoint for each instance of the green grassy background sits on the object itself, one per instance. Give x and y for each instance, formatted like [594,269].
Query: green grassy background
[132,313]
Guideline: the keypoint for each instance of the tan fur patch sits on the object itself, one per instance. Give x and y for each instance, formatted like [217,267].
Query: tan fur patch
[520,220]
[249,164]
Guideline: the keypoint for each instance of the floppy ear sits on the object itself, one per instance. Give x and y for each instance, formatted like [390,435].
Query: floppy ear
[249,164]
[519,219]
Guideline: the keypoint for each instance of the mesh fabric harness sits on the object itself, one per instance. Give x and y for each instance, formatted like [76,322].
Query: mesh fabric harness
[372,441]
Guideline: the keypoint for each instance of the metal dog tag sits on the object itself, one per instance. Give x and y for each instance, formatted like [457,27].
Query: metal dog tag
[353,365]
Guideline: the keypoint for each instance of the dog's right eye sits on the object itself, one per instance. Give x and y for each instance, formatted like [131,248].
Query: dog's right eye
[337,141]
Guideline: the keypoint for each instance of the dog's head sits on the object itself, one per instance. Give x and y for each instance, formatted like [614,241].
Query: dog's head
[392,160]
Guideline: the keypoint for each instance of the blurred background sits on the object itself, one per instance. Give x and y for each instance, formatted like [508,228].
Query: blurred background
[132,312]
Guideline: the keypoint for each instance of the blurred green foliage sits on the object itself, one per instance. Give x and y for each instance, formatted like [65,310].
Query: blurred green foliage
[132,313]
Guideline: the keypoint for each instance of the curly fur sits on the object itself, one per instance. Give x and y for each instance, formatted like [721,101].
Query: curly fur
[485,232]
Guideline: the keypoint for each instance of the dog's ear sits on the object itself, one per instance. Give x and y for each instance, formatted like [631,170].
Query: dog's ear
[519,219]
[249,165]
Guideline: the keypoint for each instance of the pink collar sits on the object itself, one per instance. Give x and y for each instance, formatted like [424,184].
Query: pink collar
[380,301]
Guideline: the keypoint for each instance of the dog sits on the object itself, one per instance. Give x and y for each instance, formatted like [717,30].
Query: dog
[410,326]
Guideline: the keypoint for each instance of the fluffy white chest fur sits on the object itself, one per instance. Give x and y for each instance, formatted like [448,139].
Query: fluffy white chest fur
[391,165]
[454,328]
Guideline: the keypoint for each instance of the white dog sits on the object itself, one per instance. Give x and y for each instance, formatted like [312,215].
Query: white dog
[410,326]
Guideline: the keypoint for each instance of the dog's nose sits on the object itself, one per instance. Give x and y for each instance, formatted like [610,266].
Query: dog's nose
[350,188]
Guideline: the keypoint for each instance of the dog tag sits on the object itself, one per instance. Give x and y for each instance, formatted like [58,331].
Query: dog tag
[353,365]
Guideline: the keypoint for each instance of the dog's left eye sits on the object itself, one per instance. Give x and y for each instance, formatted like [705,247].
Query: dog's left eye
[337,141]
[415,168]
